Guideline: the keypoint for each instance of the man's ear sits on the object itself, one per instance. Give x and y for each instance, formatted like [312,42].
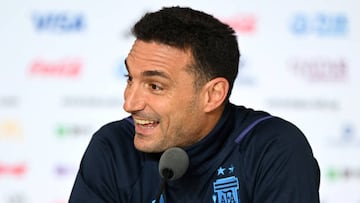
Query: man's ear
[216,91]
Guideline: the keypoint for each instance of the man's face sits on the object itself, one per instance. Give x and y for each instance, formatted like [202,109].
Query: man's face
[160,95]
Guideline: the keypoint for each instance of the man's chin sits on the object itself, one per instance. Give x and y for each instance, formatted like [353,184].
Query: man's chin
[142,146]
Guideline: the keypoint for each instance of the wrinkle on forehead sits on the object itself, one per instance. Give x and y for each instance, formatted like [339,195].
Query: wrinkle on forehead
[154,53]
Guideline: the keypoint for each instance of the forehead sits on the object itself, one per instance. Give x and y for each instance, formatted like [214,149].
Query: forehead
[153,55]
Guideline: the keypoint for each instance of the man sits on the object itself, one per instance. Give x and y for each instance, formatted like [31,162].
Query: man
[181,70]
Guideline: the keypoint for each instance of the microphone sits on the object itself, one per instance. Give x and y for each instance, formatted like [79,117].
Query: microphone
[172,165]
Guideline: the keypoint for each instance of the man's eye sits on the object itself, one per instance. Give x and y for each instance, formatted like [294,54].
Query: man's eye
[155,87]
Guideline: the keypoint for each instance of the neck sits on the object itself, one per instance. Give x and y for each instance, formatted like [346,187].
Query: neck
[210,121]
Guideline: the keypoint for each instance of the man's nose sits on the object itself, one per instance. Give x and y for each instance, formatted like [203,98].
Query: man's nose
[133,99]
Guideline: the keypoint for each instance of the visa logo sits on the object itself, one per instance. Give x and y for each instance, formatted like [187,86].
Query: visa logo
[63,22]
[320,24]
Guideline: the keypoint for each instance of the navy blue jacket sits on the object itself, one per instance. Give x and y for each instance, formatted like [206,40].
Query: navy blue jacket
[249,157]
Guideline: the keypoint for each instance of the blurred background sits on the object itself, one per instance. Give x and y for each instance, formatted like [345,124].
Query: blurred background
[61,78]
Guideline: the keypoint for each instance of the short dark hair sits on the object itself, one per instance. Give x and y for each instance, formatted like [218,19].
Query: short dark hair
[213,44]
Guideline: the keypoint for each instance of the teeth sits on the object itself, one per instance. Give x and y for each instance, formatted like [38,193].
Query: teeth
[144,122]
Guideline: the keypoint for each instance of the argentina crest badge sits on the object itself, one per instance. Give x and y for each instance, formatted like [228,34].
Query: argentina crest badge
[226,187]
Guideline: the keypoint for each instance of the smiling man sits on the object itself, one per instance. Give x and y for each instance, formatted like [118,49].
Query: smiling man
[181,70]
[168,110]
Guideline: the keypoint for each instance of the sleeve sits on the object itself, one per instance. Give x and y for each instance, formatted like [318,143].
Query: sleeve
[285,169]
[96,178]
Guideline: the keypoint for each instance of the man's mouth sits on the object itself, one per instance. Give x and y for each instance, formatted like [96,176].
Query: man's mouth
[146,123]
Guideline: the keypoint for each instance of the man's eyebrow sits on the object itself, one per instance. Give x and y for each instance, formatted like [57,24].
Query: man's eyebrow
[150,73]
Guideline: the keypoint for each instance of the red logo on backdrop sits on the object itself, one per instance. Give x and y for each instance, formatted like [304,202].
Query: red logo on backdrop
[59,68]
[242,23]
[13,169]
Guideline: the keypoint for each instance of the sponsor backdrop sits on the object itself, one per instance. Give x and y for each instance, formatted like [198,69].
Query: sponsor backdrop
[61,78]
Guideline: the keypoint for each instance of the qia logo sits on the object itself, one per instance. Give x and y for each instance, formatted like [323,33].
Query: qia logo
[321,24]
[226,189]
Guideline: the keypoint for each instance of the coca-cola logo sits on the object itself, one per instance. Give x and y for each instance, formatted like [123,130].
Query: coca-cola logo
[16,169]
[242,23]
[56,68]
